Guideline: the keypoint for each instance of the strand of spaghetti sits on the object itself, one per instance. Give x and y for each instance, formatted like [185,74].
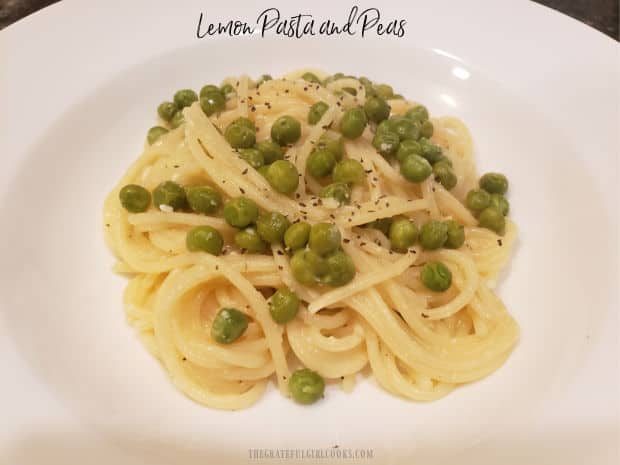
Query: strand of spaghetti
[428,190]
[265,280]
[361,282]
[411,390]
[335,344]
[299,89]
[167,263]
[242,91]
[376,360]
[381,164]
[351,83]
[170,218]
[327,321]
[312,356]
[388,206]
[366,240]
[446,202]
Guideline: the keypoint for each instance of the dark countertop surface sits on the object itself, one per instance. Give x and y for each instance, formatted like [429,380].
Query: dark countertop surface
[600,14]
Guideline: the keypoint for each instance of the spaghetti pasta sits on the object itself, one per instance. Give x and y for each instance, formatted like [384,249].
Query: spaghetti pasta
[418,342]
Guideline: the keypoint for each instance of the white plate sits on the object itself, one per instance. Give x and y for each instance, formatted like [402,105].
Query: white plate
[79,86]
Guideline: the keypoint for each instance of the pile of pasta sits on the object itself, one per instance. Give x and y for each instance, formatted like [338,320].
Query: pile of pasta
[417,344]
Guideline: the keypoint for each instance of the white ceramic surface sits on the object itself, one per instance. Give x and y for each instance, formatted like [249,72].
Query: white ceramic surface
[79,84]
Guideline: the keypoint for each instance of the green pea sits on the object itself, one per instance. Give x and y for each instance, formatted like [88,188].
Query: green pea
[436,276]
[444,159]
[384,91]
[307,267]
[134,198]
[414,168]
[272,226]
[340,269]
[377,109]
[263,170]
[404,127]
[430,151]
[166,110]
[310,77]
[228,326]
[337,190]
[456,235]
[477,200]
[208,89]
[324,238]
[349,171]
[297,235]
[283,176]
[270,151]
[264,78]
[184,98]
[408,147]
[444,174]
[301,270]
[177,119]
[212,102]
[353,123]
[169,194]
[245,122]
[306,386]
[286,130]
[320,163]
[316,112]
[381,224]
[228,91]
[367,83]
[248,239]
[155,133]
[240,136]
[240,212]
[386,142]
[317,263]
[403,233]
[433,235]
[385,126]
[417,113]
[283,305]
[494,183]
[427,129]
[398,97]
[203,199]
[333,144]
[350,90]
[253,156]
[204,239]
[499,202]
[493,219]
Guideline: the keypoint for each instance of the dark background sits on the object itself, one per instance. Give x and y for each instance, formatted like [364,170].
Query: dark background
[600,14]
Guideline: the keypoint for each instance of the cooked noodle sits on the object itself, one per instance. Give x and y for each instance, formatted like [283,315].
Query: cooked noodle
[418,344]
